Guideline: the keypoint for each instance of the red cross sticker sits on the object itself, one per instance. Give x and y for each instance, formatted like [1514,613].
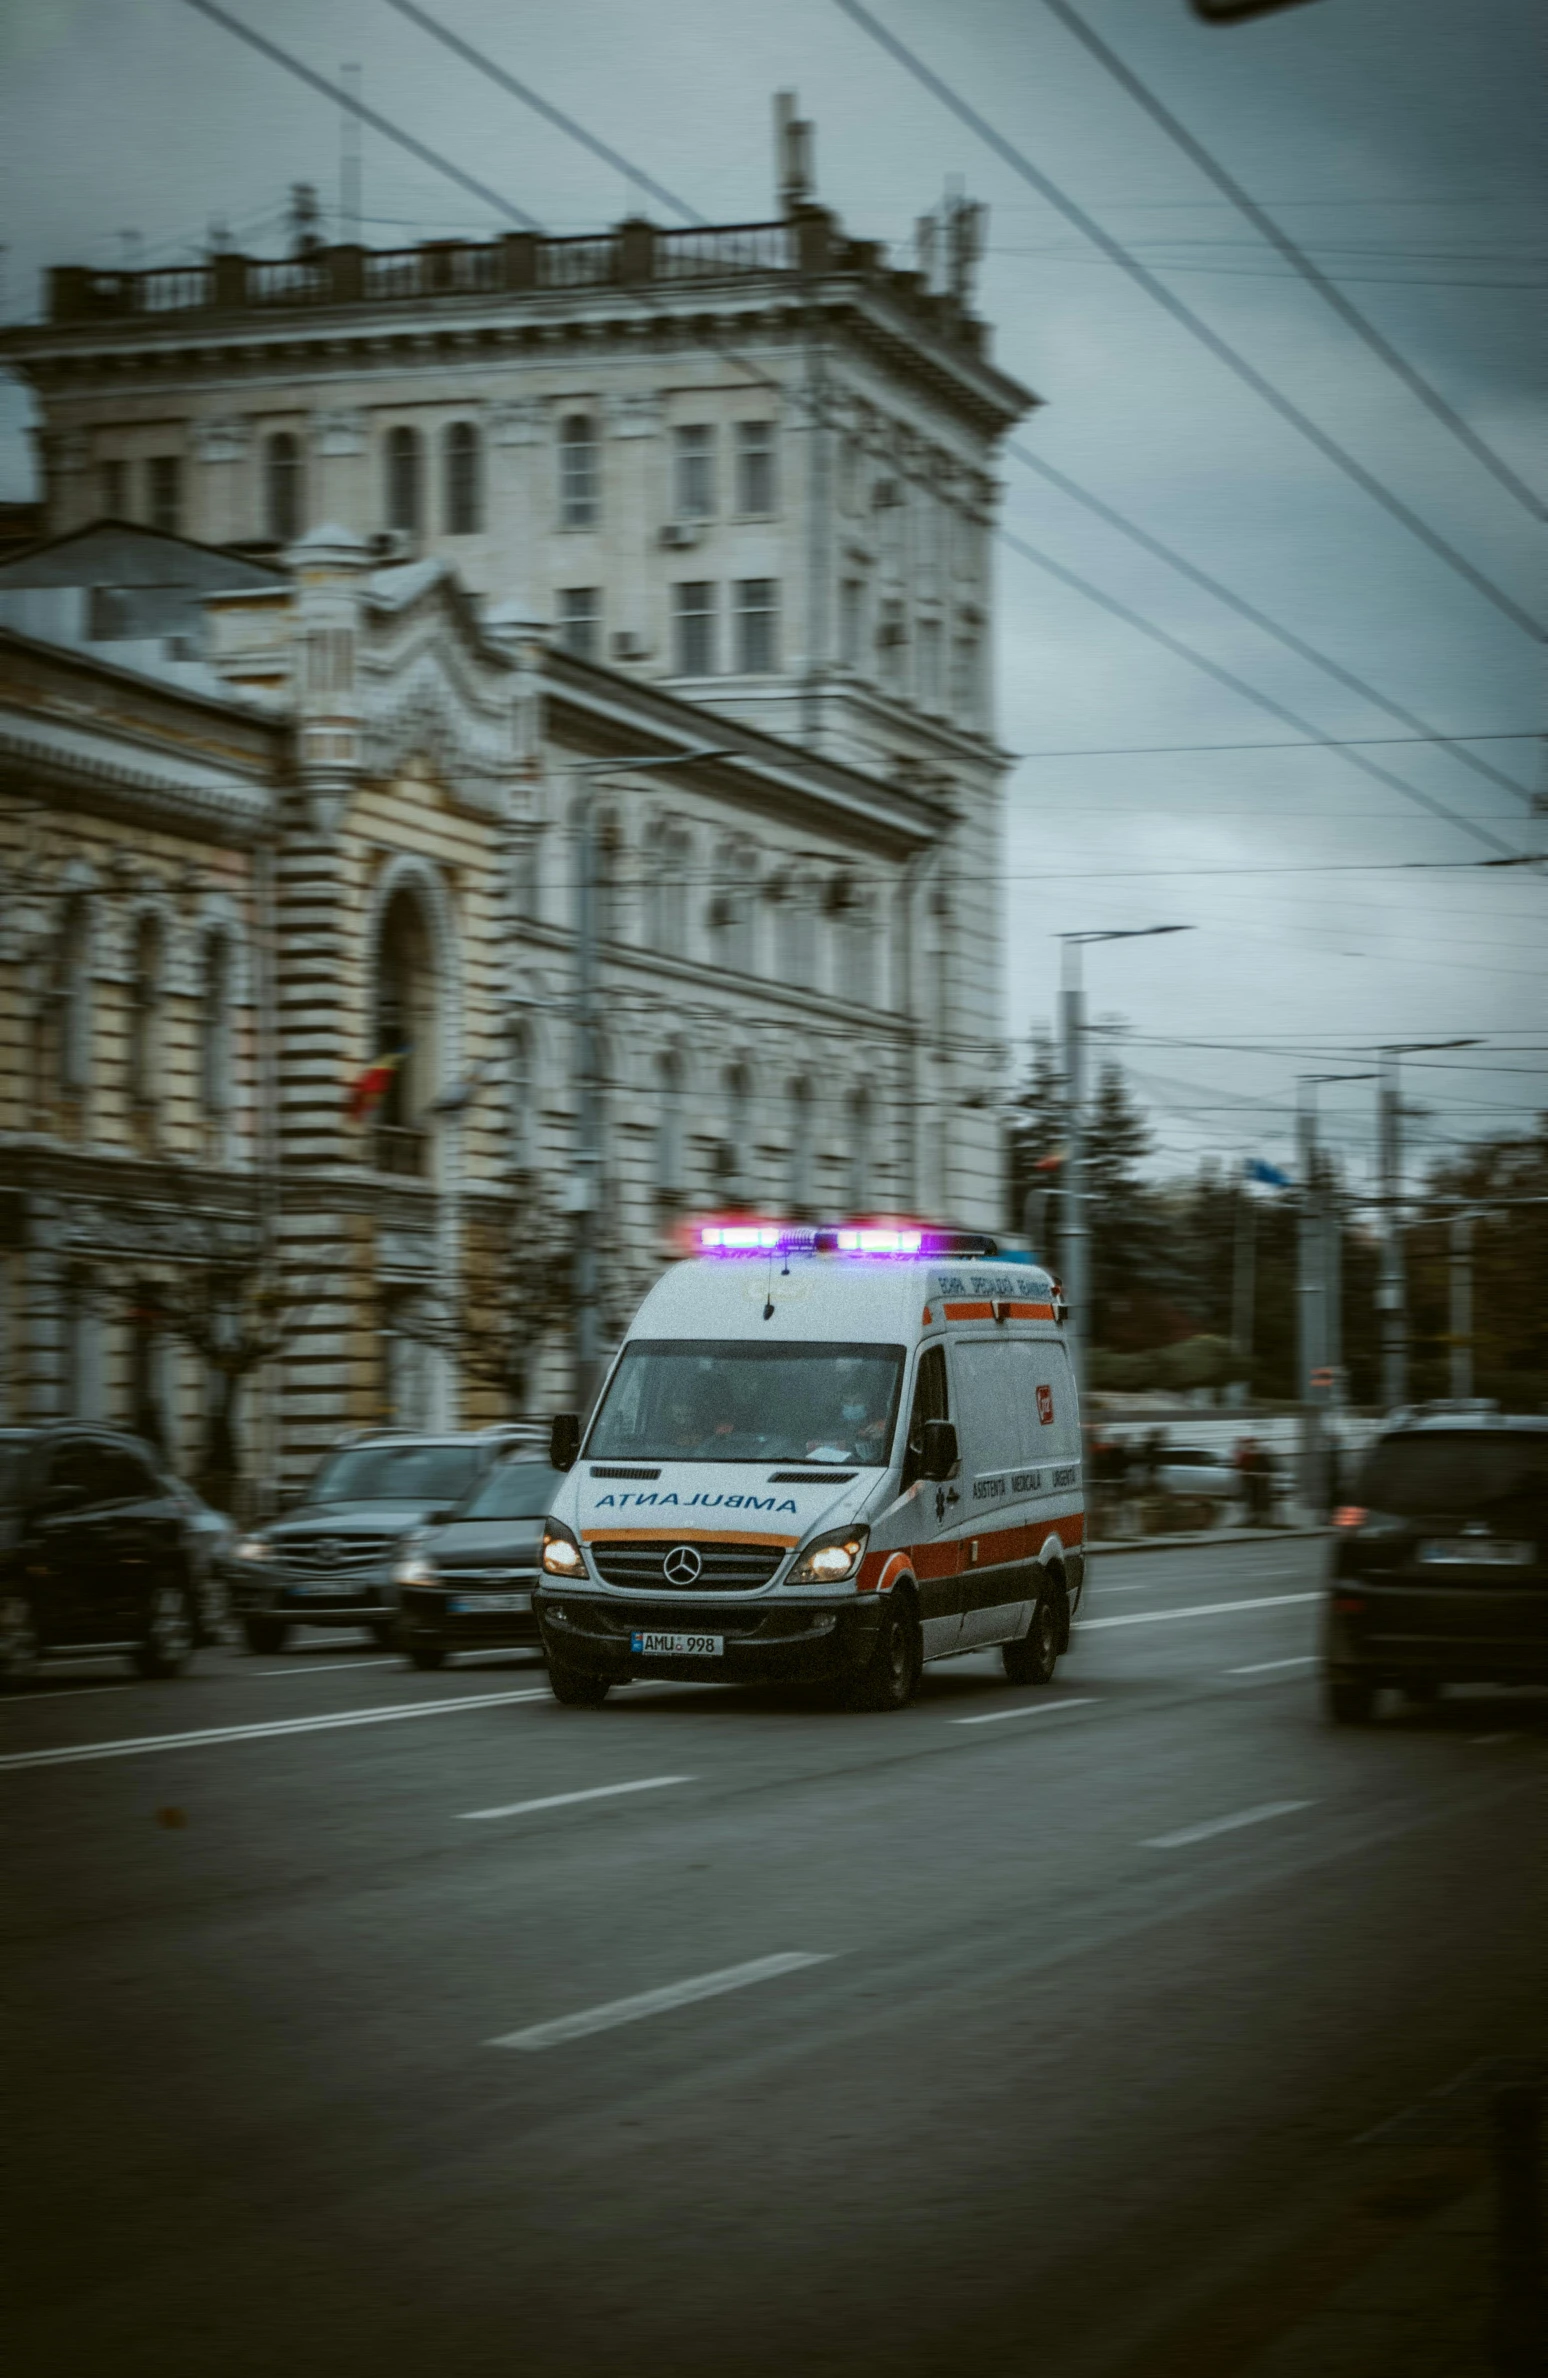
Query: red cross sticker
[1045,1405]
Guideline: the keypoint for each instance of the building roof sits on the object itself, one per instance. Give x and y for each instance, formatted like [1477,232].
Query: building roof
[122,554]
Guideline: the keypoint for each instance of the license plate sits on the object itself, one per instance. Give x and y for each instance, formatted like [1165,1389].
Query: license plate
[323,1593]
[470,1602]
[693,1647]
[1475,1552]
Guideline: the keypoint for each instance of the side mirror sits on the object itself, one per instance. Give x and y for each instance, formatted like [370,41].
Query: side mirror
[438,1514]
[938,1456]
[564,1437]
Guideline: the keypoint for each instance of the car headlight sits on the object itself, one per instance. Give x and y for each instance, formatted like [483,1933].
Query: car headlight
[561,1555]
[831,1559]
[415,1567]
[254,1548]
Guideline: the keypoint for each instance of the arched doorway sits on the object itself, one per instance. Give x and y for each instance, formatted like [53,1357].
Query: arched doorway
[405,1028]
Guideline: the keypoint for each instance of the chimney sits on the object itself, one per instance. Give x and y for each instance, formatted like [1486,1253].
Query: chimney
[792,154]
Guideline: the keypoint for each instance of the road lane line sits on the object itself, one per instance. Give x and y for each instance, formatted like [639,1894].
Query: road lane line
[526,1808]
[1029,1709]
[340,1667]
[1480,1739]
[657,2002]
[1243,1816]
[141,1745]
[1156,1618]
[1302,1659]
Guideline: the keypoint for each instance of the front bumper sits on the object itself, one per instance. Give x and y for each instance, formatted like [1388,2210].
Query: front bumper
[427,1616]
[766,1642]
[364,1598]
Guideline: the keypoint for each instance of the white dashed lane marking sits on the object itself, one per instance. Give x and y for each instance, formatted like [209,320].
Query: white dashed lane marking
[657,2002]
[1159,1618]
[992,1717]
[1302,1659]
[527,1808]
[1244,1816]
[136,1746]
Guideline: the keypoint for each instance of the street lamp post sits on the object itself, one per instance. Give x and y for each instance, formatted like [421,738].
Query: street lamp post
[1318,1333]
[1076,1233]
[584,1198]
[1392,1285]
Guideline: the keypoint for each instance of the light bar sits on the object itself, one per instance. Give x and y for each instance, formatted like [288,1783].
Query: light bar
[880,1242]
[742,1238]
[768,1238]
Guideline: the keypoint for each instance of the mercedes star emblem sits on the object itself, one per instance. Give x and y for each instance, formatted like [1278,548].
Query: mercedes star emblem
[326,1551]
[682,1565]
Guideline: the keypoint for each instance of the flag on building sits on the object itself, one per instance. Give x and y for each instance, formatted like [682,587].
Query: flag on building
[1269,1174]
[368,1089]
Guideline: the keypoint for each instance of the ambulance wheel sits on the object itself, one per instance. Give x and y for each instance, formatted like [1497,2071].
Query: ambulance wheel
[1032,1660]
[576,1688]
[264,1634]
[890,1678]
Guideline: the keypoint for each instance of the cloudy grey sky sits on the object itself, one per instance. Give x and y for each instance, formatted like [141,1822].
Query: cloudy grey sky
[1400,141]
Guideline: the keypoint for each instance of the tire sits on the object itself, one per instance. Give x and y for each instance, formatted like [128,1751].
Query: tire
[890,1677]
[1351,1700]
[265,1634]
[20,1649]
[577,1688]
[171,1626]
[1033,1658]
[427,1655]
[384,1633]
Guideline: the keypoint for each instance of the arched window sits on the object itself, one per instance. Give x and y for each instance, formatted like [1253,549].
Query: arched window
[669,1129]
[464,492]
[736,1165]
[578,471]
[672,899]
[71,1001]
[404,491]
[145,1015]
[405,1022]
[521,1119]
[215,1035]
[284,488]
[799,1174]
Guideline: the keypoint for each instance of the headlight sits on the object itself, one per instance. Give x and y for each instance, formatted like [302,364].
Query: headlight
[415,1567]
[831,1559]
[254,1548]
[561,1554]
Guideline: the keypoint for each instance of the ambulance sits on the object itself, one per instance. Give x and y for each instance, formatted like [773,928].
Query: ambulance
[821,1455]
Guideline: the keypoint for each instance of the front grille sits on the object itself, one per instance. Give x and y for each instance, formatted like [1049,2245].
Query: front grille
[329,1556]
[739,1567]
[456,1579]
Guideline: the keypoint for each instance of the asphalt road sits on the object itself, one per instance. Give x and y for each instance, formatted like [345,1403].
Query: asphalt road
[1023,2031]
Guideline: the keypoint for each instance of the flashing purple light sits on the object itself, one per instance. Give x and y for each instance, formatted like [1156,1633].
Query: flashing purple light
[760,1238]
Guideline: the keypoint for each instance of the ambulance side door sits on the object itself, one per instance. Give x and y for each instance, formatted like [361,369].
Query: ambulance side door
[1056,1433]
[991,1434]
[933,1516]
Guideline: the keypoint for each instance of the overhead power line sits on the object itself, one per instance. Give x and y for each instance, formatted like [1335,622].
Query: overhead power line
[543,107]
[1256,618]
[808,404]
[1143,751]
[1294,255]
[1285,406]
[367,115]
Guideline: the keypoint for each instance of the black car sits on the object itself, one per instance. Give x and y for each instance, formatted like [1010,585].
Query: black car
[1439,1570]
[330,1560]
[94,1553]
[467,1586]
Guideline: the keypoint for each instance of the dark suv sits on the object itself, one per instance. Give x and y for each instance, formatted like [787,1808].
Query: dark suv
[1439,1571]
[94,1556]
[330,1561]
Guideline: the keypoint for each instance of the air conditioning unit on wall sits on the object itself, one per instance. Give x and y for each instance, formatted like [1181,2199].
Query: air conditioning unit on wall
[679,535]
[394,544]
[627,646]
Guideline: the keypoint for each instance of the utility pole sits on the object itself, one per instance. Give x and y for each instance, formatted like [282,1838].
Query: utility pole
[1392,1284]
[1243,1282]
[349,162]
[1076,1237]
[584,1195]
[1311,1304]
[1462,1303]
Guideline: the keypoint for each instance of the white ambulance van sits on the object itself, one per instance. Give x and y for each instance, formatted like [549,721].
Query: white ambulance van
[826,1454]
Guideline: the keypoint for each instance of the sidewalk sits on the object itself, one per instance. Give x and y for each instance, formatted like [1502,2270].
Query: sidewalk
[1292,1529]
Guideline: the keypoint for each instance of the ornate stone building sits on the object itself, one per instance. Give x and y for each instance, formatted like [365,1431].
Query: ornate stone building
[750,465]
[264,824]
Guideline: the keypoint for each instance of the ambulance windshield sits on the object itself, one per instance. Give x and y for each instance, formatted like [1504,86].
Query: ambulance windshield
[692,1399]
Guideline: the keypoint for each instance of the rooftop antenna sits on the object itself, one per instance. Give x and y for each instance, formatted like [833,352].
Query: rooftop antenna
[349,161]
[305,219]
[792,153]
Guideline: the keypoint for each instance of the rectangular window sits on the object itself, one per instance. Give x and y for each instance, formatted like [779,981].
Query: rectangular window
[694,460]
[578,472]
[964,677]
[694,601]
[929,687]
[852,623]
[757,626]
[113,490]
[756,483]
[164,493]
[580,621]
